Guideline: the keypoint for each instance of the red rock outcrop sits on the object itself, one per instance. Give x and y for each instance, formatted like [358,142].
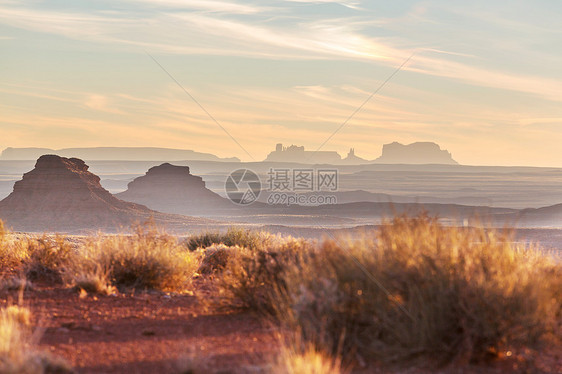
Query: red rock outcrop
[60,194]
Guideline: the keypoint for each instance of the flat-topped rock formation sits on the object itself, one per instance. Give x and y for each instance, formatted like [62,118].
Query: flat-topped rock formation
[60,194]
[173,189]
[415,153]
[298,154]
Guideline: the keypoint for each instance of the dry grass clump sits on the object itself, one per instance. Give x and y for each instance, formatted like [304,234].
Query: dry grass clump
[18,314]
[90,277]
[233,237]
[47,257]
[215,258]
[413,289]
[253,278]
[418,288]
[12,252]
[296,356]
[39,258]
[148,259]
[18,346]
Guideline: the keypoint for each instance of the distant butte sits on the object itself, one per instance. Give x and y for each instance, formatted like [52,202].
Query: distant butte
[60,194]
[173,189]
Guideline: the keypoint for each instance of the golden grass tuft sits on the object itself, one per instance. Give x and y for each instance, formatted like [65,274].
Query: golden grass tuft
[233,237]
[12,252]
[414,289]
[18,314]
[149,259]
[19,351]
[47,257]
[296,356]
[252,278]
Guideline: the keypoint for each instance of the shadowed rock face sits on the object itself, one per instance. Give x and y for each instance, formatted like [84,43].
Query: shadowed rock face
[60,194]
[173,189]
[415,153]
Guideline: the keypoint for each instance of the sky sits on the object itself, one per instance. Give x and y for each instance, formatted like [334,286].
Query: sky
[484,80]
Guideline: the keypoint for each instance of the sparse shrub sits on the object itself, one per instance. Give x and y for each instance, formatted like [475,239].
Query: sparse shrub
[148,259]
[12,252]
[215,258]
[91,278]
[47,257]
[417,288]
[19,351]
[233,237]
[252,279]
[412,289]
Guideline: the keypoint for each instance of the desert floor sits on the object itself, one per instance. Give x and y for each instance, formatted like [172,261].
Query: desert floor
[154,332]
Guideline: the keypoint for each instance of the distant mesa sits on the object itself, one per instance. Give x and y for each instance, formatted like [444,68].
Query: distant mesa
[298,154]
[415,153]
[60,194]
[173,189]
[114,153]
[393,153]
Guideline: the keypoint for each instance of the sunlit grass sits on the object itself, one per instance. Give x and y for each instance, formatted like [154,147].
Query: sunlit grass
[233,237]
[149,259]
[412,289]
[19,352]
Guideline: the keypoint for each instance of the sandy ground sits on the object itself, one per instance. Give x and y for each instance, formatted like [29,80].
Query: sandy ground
[159,333]
[146,333]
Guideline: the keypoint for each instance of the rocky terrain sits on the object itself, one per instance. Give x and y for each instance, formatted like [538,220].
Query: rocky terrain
[60,194]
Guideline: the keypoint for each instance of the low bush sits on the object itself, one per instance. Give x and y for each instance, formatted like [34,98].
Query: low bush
[47,257]
[233,237]
[215,258]
[253,279]
[417,288]
[12,252]
[414,288]
[148,259]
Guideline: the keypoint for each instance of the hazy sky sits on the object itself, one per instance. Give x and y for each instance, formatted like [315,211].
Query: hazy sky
[485,81]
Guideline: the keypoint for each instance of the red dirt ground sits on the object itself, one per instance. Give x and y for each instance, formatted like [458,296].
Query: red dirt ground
[159,333]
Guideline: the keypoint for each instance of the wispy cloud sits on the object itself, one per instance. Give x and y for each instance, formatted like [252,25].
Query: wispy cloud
[194,32]
[207,5]
[461,53]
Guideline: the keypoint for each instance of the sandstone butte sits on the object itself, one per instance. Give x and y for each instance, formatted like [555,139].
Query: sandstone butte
[60,194]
